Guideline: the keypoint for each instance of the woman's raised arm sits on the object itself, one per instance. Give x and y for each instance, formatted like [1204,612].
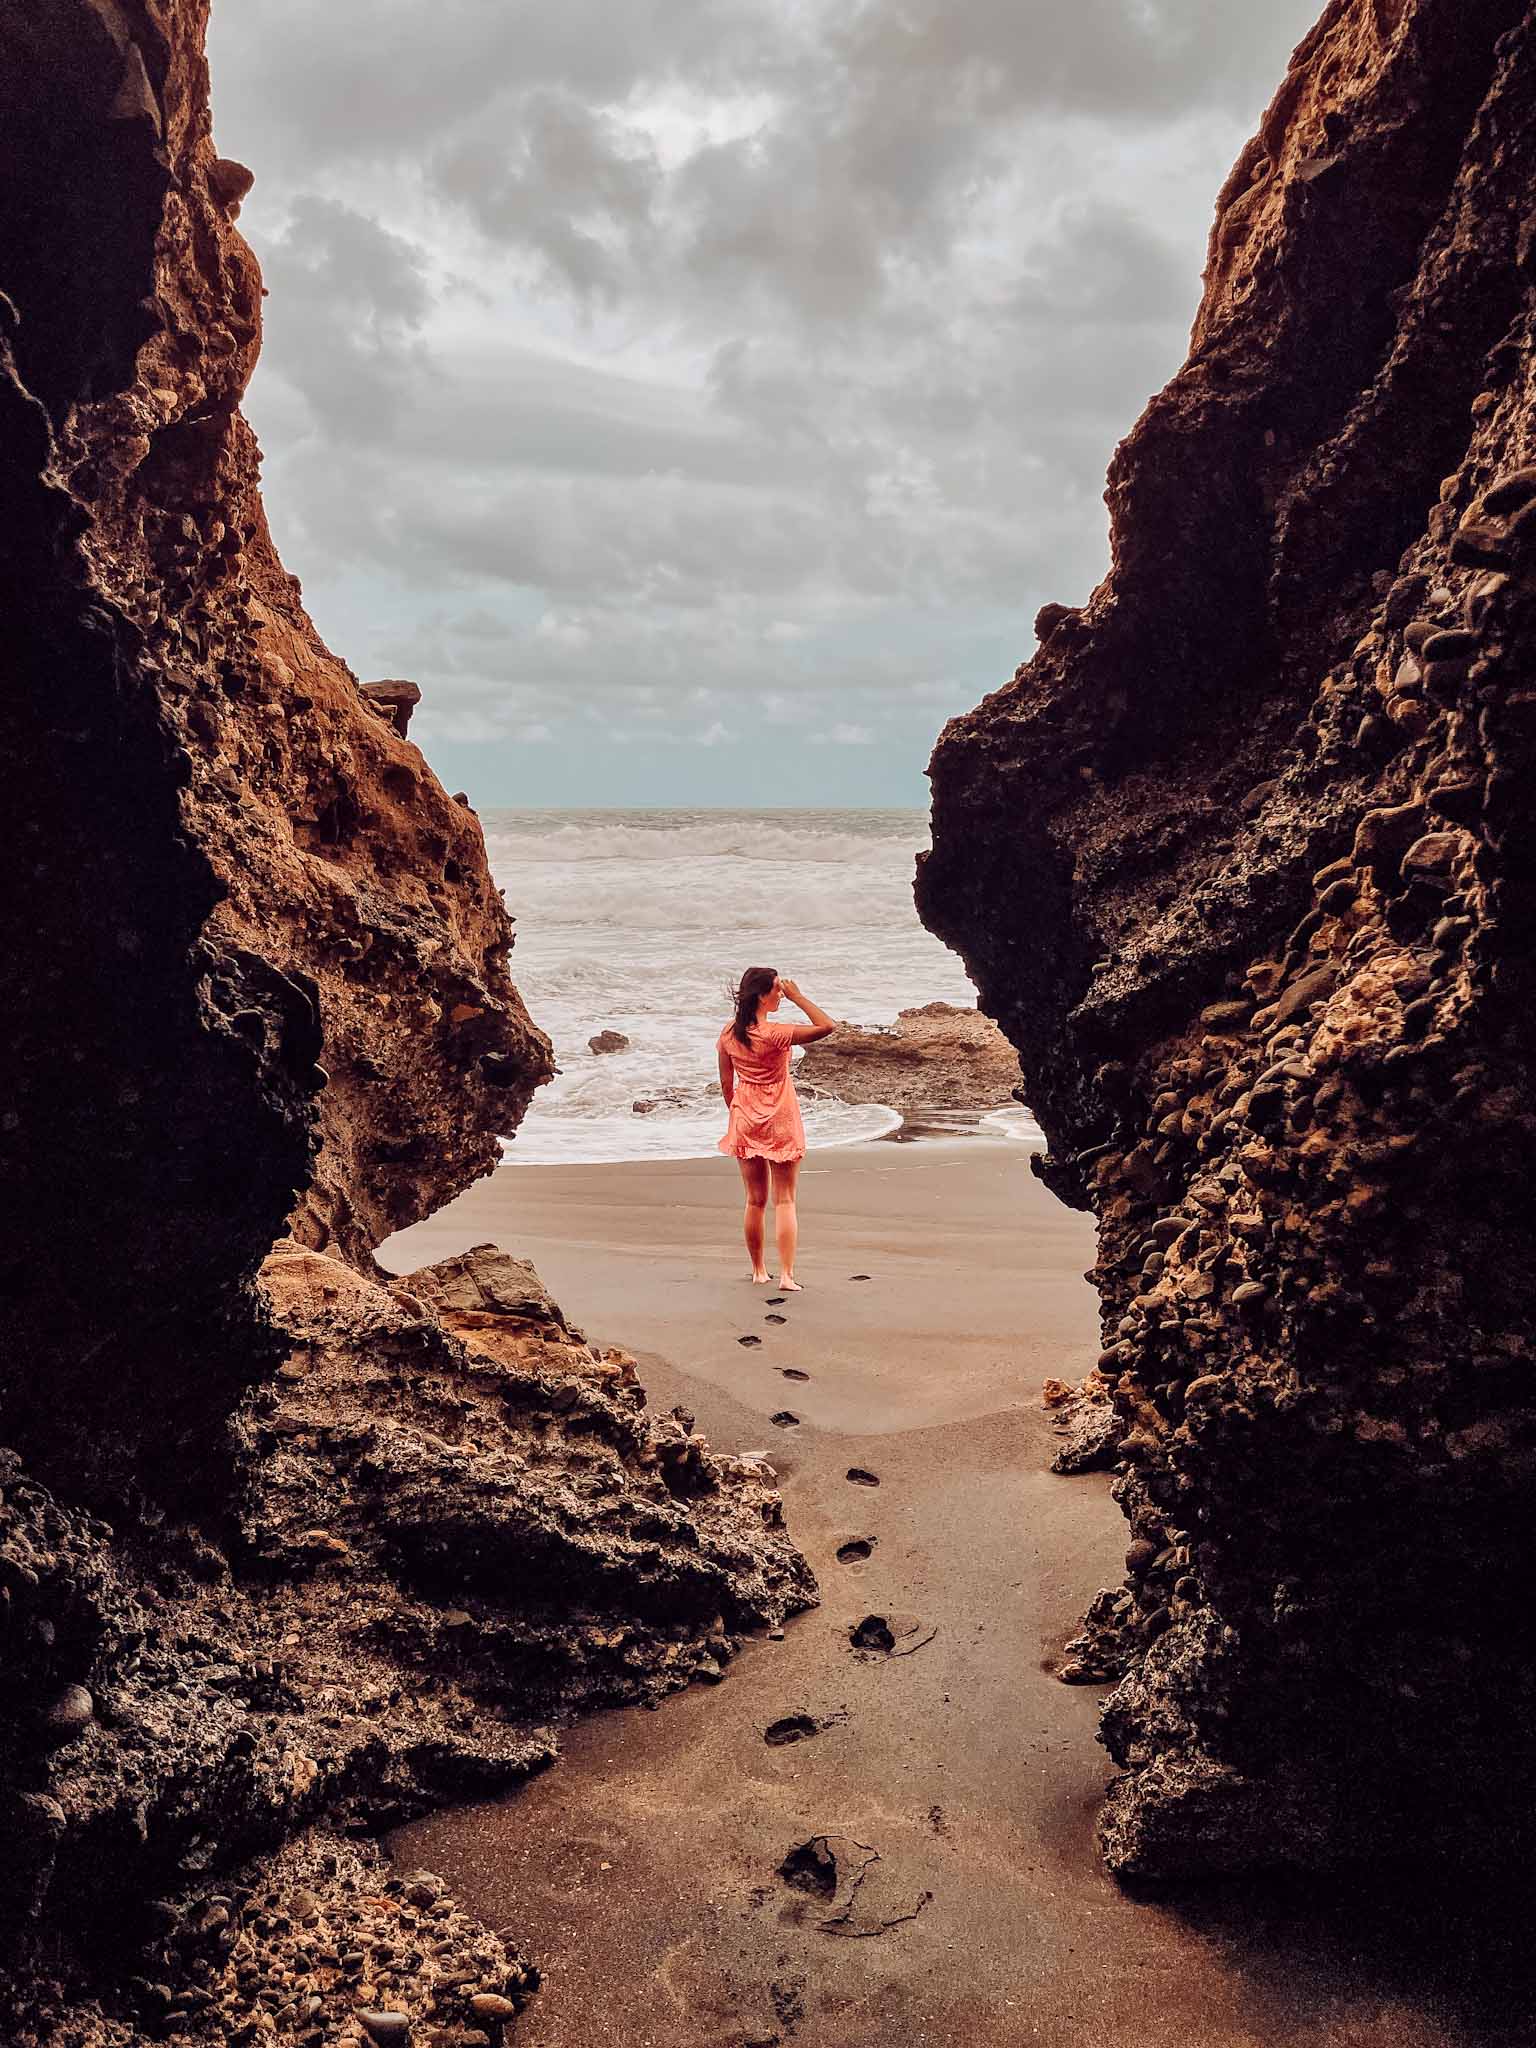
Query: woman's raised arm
[820,1026]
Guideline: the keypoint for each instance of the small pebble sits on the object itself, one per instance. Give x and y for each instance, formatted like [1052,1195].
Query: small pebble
[488,2006]
[388,2029]
[70,1714]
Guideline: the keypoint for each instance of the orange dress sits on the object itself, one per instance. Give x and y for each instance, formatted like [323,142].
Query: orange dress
[765,1111]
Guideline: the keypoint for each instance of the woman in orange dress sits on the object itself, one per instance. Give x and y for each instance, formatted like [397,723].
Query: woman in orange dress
[765,1135]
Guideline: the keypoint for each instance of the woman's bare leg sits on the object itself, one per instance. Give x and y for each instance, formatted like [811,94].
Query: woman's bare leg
[754,1179]
[786,1224]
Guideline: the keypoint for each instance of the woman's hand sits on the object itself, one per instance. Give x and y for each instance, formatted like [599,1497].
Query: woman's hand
[820,1026]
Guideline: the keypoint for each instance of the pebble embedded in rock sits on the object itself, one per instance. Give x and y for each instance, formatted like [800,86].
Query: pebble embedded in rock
[71,1712]
[1451,643]
[1510,492]
[388,2029]
[490,2007]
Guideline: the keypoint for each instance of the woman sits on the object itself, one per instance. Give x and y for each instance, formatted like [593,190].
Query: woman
[765,1135]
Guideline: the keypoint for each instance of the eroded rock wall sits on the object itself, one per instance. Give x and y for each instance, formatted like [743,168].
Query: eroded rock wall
[1242,861]
[287,1551]
[257,960]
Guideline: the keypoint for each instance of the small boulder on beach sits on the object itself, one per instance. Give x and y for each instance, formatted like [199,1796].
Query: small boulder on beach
[608,1041]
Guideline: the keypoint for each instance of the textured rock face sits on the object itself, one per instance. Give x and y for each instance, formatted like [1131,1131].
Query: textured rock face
[1242,862]
[445,1546]
[256,960]
[284,1549]
[934,1057]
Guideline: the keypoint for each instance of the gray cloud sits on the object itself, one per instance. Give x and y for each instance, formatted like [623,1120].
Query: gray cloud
[624,350]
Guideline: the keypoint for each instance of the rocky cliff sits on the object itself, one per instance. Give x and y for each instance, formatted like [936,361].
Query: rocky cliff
[284,1548]
[1241,860]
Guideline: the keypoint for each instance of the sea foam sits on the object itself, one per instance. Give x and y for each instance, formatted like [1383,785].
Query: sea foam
[637,921]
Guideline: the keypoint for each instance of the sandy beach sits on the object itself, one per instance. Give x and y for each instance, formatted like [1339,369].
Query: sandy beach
[956,1776]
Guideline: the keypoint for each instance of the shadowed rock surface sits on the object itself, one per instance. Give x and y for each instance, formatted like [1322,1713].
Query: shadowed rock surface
[283,1549]
[1241,861]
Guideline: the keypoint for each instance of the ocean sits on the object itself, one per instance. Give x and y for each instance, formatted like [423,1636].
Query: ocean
[635,921]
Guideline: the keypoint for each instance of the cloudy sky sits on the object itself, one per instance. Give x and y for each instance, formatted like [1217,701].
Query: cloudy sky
[699,397]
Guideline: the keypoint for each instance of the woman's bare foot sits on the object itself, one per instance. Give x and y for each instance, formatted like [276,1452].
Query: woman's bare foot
[759,1279]
[790,1284]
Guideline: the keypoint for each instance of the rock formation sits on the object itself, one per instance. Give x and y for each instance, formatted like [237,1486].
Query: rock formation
[1242,862]
[937,1056]
[285,1548]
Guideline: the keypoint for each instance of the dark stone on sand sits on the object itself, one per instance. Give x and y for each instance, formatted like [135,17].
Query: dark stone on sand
[785,1420]
[860,1477]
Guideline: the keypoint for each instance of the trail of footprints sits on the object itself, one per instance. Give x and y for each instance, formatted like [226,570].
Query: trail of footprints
[874,1638]
[876,1632]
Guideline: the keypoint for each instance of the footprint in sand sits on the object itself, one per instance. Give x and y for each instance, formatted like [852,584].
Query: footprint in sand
[858,1276]
[775,1319]
[855,1550]
[860,1477]
[793,1372]
[777,1300]
[784,1420]
[793,1728]
[749,1341]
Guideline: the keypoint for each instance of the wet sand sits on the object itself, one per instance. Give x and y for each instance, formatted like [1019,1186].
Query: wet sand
[642,1872]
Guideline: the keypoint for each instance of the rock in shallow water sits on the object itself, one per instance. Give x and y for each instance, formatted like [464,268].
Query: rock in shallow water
[935,1057]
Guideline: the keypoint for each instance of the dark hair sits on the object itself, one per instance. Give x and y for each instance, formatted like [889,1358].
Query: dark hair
[746,995]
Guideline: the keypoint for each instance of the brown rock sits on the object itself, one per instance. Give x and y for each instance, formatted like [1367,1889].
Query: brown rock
[934,1057]
[396,700]
[1301,1697]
